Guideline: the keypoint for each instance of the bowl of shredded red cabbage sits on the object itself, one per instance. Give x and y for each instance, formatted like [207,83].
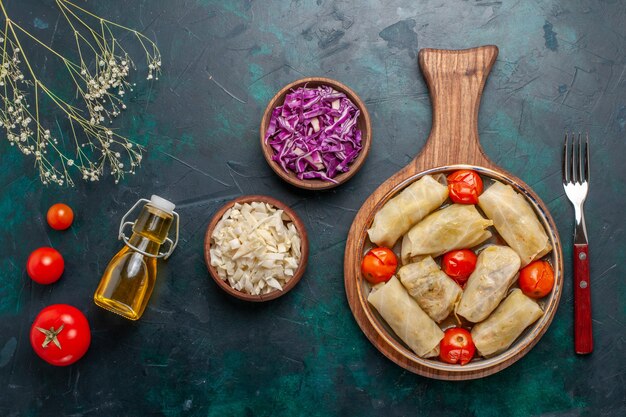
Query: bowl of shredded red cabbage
[315,133]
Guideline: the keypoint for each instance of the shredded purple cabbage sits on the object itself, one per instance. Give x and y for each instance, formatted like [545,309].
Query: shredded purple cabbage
[314,133]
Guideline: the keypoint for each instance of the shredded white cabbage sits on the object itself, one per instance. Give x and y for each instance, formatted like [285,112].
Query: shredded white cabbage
[255,247]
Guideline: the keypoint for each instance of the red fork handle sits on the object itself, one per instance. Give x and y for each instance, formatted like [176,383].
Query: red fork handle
[583,335]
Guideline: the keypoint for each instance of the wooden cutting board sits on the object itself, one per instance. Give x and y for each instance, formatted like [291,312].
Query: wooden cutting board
[455,80]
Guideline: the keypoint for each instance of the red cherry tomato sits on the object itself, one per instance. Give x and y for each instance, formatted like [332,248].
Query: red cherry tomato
[379,265]
[60,216]
[459,265]
[464,186]
[536,279]
[60,334]
[45,265]
[457,346]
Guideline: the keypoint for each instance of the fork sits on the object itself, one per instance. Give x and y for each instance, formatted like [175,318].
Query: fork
[576,184]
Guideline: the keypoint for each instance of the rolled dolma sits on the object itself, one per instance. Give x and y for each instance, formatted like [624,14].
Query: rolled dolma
[495,271]
[406,318]
[435,292]
[458,226]
[500,330]
[515,221]
[410,206]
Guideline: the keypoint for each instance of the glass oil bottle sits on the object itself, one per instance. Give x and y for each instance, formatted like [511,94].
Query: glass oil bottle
[129,279]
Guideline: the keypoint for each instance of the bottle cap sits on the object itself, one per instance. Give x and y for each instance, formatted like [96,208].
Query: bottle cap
[163,204]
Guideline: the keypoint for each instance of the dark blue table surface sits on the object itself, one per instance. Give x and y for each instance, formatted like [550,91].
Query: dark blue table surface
[198,352]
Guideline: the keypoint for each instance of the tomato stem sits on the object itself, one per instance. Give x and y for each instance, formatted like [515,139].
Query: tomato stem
[51,336]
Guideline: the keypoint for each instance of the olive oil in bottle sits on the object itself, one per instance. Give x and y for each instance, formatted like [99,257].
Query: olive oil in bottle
[129,279]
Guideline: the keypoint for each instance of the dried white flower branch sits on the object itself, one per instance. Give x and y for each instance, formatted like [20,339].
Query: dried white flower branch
[101,80]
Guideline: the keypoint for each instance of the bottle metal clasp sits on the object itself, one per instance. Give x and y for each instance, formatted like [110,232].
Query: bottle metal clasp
[124,223]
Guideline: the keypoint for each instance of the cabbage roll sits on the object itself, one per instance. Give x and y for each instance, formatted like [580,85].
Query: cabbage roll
[404,210]
[406,318]
[435,292]
[458,226]
[500,330]
[516,221]
[495,271]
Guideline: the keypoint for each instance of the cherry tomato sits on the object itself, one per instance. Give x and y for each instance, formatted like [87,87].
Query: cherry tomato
[379,265]
[465,186]
[60,216]
[536,279]
[45,265]
[457,346]
[60,334]
[459,265]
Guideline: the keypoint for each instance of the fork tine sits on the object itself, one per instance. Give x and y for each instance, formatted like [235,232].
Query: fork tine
[587,158]
[581,172]
[572,157]
[565,161]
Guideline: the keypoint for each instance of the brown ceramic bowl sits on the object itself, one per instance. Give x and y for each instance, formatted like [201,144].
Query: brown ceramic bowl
[363,123]
[304,249]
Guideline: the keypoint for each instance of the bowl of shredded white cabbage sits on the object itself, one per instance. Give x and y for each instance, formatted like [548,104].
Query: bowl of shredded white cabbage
[256,248]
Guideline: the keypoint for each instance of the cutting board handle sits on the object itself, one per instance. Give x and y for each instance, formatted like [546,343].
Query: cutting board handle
[455,79]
